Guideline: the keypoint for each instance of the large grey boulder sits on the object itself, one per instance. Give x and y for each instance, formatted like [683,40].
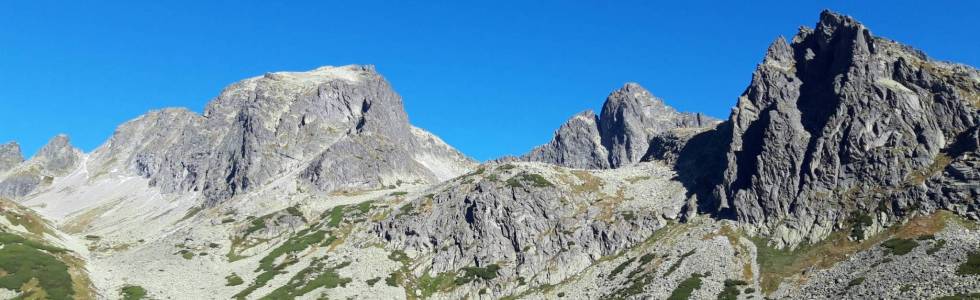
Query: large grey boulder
[839,122]
[630,119]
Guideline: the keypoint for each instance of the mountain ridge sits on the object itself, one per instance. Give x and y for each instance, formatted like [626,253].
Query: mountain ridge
[847,169]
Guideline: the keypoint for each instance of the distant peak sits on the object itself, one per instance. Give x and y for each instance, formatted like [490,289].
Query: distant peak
[58,143]
[779,51]
[10,155]
[828,17]
[10,145]
[631,94]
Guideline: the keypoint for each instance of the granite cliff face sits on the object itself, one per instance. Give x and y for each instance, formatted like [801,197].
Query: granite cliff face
[840,123]
[620,136]
[334,127]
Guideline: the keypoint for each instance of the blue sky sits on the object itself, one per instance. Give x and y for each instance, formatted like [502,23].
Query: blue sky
[491,78]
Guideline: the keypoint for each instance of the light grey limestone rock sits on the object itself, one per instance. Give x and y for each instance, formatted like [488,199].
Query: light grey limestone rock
[630,119]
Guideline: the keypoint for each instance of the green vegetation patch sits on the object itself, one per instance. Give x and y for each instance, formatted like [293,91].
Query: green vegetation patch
[32,223]
[622,266]
[470,273]
[687,287]
[26,260]
[731,289]
[407,209]
[534,179]
[400,256]
[394,279]
[256,225]
[899,246]
[186,254]
[938,245]
[860,221]
[971,266]
[442,282]
[322,234]
[191,213]
[304,239]
[317,275]
[132,292]
[855,282]
[677,264]
[234,280]
[971,296]
[646,258]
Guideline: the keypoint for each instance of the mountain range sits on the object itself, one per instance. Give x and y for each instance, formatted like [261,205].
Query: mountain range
[849,168]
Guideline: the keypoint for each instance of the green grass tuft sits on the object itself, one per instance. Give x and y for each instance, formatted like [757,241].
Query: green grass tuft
[687,287]
[470,273]
[442,282]
[621,267]
[855,282]
[971,266]
[534,179]
[860,221]
[234,280]
[677,264]
[938,245]
[132,292]
[899,246]
[731,292]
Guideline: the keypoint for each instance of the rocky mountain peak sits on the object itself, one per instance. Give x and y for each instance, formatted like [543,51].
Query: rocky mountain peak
[58,156]
[10,156]
[619,136]
[831,121]
[323,124]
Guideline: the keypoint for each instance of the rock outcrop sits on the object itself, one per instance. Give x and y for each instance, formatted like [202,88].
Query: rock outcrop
[620,136]
[10,156]
[841,121]
[537,220]
[333,128]
[56,159]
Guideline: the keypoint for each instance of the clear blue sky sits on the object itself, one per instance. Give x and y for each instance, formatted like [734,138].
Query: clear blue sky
[491,77]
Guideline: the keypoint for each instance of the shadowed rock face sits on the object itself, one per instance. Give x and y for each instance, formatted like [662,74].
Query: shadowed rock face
[10,156]
[620,136]
[334,127]
[840,120]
